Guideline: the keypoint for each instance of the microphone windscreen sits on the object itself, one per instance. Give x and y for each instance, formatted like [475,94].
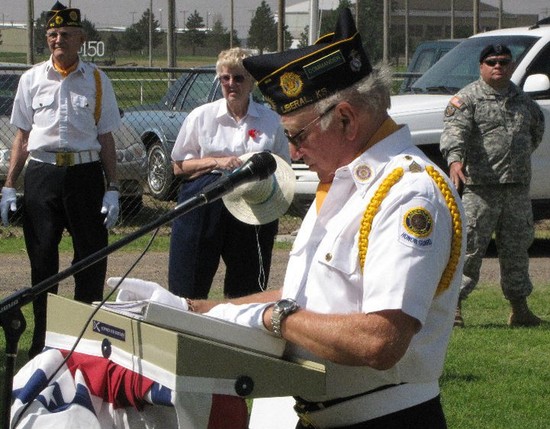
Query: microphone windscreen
[264,164]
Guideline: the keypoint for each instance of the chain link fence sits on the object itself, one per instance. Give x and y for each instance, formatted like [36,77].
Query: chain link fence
[153,102]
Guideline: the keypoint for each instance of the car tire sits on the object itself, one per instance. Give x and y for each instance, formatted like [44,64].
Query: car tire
[160,176]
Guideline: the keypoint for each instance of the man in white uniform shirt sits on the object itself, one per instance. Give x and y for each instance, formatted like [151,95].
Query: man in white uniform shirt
[65,112]
[374,273]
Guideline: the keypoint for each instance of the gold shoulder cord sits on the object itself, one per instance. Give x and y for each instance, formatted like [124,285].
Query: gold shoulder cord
[98,95]
[380,194]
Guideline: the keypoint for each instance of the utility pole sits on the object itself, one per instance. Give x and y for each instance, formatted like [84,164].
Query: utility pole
[281,27]
[30,31]
[500,14]
[150,33]
[406,33]
[171,34]
[476,17]
[313,21]
[232,26]
[386,33]
[452,19]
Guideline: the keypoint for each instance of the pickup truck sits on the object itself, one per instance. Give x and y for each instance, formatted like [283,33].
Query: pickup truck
[423,109]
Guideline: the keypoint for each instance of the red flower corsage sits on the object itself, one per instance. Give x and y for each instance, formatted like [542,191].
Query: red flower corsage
[253,133]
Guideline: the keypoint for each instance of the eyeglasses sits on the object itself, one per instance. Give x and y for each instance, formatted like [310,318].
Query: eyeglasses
[503,62]
[237,78]
[63,34]
[295,139]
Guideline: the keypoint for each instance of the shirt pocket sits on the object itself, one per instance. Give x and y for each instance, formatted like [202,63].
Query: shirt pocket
[340,256]
[82,110]
[44,108]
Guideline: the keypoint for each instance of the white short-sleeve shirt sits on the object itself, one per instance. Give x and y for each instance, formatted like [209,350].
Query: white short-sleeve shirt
[209,130]
[60,113]
[408,249]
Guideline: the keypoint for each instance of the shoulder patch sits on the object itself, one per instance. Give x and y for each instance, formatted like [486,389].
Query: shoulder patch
[418,222]
[454,104]
[457,102]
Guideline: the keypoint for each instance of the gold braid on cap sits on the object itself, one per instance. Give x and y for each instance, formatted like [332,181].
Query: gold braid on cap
[374,204]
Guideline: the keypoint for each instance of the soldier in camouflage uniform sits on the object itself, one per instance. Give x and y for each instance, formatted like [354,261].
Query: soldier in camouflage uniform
[491,129]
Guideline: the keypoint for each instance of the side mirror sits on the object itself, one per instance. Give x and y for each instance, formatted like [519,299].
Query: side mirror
[536,83]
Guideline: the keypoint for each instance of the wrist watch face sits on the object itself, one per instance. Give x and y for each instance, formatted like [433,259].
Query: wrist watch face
[286,305]
[282,308]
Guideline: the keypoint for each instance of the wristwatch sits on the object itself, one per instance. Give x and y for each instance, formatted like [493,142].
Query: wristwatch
[282,309]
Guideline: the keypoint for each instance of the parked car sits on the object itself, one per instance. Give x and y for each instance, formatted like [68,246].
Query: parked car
[423,110]
[425,55]
[131,154]
[158,125]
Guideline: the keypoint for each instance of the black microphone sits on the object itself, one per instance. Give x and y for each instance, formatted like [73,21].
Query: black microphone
[258,167]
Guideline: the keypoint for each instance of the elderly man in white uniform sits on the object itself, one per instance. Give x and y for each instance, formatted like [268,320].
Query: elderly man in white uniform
[373,277]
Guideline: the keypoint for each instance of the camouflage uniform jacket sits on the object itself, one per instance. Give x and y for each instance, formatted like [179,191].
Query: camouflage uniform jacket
[493,134]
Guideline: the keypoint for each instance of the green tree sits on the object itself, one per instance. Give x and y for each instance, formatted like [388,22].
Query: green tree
[304,38]
[287,38]
[39,36]
[371,24]
[136,37]
[329,17]
[218,38]
[90,30]
[194,36]
[262,34]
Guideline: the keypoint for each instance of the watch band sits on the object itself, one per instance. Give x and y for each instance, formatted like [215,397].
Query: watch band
[282,309]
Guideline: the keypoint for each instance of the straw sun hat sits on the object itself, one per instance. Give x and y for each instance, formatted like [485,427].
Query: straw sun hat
[264,201]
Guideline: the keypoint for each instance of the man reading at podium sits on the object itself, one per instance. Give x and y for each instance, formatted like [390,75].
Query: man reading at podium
[373,276]
[372,281]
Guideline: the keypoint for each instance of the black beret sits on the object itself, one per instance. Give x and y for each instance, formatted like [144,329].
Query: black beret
[295,78]
[62,16]
[494,50]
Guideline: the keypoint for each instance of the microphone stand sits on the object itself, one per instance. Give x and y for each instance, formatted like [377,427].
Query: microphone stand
[12,319]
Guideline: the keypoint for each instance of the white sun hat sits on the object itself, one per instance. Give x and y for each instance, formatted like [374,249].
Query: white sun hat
[264,201]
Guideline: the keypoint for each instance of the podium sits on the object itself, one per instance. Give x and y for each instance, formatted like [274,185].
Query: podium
[190,361]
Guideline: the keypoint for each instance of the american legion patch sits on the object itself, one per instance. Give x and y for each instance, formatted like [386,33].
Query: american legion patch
[417,226]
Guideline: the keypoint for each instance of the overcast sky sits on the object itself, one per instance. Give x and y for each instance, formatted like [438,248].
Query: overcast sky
[125,12]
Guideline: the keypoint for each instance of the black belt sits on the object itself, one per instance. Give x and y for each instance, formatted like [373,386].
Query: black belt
[302,406]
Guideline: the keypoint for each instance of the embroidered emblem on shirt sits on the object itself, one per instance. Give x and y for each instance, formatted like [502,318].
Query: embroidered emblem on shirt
[414,167]
[418,222]
[362,173]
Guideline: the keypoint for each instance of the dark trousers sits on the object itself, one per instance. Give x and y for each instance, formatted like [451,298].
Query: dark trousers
[57,198]
[200,237]
[427,415]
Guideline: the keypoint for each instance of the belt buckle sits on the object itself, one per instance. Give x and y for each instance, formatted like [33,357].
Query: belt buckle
[64,159]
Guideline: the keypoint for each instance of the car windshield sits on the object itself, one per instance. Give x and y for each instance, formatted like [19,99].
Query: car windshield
[461,65]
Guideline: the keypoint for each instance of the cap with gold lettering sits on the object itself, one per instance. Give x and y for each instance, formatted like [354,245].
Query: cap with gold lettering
[62,16]
[296,78]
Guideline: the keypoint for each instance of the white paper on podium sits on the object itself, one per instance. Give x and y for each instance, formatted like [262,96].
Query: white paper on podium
[273,413]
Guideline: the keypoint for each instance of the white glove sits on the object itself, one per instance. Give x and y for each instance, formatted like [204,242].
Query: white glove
[139,290]
[8,202]
[110,208]
[251,315]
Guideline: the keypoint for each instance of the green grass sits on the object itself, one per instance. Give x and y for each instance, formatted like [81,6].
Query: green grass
[496,377]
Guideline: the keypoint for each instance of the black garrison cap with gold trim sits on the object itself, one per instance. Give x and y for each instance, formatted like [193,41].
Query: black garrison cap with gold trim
[296,78]
[62,16]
